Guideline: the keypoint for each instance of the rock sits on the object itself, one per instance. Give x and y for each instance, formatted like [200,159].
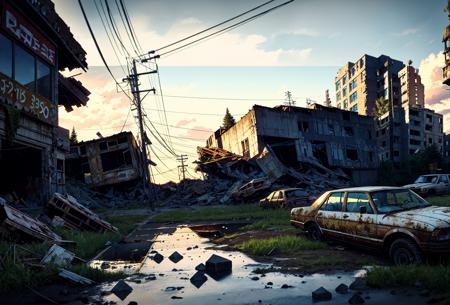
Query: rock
[198,279]
[171,288]
[218,265]
[158,258]
[133,303]
[175,257]
[255,278]
[358,284]
[342,289]
[122,290]
[150,277]
[321,294]
[200,267]
[356,299]
[174,297]
[269,284]
[285,286]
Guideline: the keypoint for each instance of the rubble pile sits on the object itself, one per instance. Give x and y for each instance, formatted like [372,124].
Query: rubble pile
[233,178]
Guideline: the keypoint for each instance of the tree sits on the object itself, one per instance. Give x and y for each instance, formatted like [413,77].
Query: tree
[381,107]
[73,137]
[228,120]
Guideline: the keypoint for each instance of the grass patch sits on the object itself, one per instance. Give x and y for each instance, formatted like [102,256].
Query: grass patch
[285,245]
[442,201]
[432,277]
[239,212]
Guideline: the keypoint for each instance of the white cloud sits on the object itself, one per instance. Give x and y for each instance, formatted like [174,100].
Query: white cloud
[406,32]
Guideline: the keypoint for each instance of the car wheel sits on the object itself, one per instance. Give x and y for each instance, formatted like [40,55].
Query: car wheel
[314,232]
[405,252]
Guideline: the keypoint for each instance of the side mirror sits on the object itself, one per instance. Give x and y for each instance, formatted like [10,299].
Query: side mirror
[363,209]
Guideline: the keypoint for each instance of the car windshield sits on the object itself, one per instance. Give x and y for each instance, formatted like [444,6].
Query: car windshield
[397,200]
[427,179]
[296,193]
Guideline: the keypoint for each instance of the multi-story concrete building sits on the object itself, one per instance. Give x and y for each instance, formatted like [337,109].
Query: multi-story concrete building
[334,137]
[391,131]
[358,84]
[425,128]
[446,41]
[411,87]
[447,149]
[35,44]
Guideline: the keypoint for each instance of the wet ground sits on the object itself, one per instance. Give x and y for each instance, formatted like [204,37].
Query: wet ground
[168,282]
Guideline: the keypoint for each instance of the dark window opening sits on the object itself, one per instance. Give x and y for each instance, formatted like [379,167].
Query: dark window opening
[245,148]
[348,131]
[24,68]
[103,146]
[351,154]
[43,80]
[122,140]
[396,153]
[82,150]
[414,132]
[346,116]
[6,56]
[115,159]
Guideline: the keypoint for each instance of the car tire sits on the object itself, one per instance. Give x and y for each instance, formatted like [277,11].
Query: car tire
[405,252]
[314,232]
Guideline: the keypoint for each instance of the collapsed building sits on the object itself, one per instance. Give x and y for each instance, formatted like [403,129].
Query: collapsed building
[35,44]
[334,139]
[106,161]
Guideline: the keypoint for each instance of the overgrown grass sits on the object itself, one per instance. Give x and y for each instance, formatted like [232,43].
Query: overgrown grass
[442,201]
[284,244]
[432,277]
[18,275]
[239,212]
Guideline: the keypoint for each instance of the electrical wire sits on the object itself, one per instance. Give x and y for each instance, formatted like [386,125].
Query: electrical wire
[214,26]
[115,28]
[229,27]
[133,45]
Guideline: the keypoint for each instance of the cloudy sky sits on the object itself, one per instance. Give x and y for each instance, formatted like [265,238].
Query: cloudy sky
[298,48]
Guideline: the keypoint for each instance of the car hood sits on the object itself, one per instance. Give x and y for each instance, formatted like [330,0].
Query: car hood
[428,218]
[418,185]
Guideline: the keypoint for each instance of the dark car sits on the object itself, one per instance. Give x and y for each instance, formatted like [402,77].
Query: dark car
[292,197]
[390,219]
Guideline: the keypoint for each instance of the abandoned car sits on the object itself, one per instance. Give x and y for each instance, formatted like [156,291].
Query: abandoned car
[428,185]
[289,198]
[251,188]
[391,219]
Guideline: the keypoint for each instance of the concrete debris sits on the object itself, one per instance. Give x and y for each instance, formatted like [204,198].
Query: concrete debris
[57,222]
[356,299]
[321,294]
[342,289]
[198,279]
[122,290]
[175,257]
[75,278]
[76,215]
[157,257]
[218,265]
[58,256]
[200,267]
[358,284]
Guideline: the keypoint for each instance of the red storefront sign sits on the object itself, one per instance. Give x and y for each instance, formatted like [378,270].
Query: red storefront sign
[17,25]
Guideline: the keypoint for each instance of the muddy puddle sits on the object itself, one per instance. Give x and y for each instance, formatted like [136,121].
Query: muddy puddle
[169,282]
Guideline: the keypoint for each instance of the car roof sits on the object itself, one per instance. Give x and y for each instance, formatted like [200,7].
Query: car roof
[368,189]
[291,189]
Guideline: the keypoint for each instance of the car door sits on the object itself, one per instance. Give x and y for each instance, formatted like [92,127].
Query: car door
[359,226]
[274,200]
[443,184]
[329,215]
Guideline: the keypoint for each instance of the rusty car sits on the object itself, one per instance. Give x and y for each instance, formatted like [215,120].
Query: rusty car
[286,198]
[251,188]
[429,185]
[394,220]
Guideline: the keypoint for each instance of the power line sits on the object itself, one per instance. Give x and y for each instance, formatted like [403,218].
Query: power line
[223,98]
[127,30]
[229,27]
[214,26]
[115,28]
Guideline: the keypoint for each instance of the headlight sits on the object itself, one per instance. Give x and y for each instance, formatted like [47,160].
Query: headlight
[441,234]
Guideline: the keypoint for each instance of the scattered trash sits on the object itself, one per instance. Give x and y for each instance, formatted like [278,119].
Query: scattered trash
[122,290]
[321,294]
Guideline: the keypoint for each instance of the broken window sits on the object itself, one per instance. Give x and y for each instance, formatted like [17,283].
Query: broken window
[303,126]
[115,159]
[122,140]
[414,132]
[82,150]
[351,154]
[334,203]
[245,148]
[357,200]
[103,145]
[60,164]
[331,129]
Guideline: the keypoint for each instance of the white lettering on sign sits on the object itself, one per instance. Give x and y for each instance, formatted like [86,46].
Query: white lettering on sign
[24,34]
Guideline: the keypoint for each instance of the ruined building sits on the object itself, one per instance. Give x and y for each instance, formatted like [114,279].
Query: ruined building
[35,44]
[106,161]
[336,138]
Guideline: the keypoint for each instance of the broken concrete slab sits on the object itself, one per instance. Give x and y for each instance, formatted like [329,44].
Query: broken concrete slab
[321,294]
[175,257]
[157,257]
[58,256]
[122,290]
[218,265]
[200,267]
[198,279]
[75,278]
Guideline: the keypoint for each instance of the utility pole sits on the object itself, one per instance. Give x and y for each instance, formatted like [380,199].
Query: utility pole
[290,102]
[182,167]
[133,79]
